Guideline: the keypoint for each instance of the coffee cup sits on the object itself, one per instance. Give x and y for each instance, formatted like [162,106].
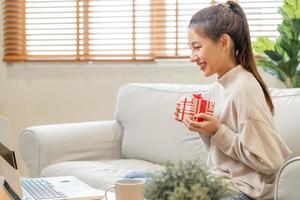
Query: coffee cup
[127,189]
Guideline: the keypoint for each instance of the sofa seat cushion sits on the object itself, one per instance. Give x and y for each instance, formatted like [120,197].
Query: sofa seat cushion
[99,174]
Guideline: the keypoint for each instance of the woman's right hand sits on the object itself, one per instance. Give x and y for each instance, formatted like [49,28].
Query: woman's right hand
[210,125]
[176,113]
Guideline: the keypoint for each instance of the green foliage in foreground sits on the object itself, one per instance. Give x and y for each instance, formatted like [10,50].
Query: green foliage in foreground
[188,180]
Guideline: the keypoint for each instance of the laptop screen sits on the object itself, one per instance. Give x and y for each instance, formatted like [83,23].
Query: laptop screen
[8,155]
[8,164]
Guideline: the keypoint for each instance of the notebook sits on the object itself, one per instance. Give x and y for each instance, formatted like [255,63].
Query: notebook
[53,188]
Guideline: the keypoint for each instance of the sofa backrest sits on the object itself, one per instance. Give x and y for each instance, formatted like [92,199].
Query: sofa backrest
[146,112]
[287,116]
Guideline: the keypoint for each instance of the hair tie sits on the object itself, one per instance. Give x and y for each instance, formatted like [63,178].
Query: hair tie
[226,5]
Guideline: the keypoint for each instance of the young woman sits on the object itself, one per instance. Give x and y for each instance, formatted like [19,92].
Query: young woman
[243,145]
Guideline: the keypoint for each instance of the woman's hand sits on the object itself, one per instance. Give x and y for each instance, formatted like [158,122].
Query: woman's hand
[176,113]
[210,125]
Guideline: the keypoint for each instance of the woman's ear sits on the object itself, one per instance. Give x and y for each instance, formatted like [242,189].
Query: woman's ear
[225,42]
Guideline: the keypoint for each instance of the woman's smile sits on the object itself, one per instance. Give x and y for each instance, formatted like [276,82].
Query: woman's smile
[202,65]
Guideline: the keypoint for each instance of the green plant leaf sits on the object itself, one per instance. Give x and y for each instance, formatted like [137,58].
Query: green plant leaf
[273,69]
[285,29]
[290,9]
[289,37]
[283,59]
[297,78]
[295,24]
[263,44]
[292,65]
[278,49]
[274,55]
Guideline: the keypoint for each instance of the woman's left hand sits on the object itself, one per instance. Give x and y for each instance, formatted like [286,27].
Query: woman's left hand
[210,125]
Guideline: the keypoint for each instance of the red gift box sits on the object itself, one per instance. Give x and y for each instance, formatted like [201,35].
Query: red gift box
[191,106]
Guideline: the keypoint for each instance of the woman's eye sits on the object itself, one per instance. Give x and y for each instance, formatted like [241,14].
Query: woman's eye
[197,48]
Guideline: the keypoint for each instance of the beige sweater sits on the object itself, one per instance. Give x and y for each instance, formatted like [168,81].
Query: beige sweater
[246,150]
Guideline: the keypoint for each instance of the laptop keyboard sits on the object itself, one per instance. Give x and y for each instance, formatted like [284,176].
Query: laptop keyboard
[40,188]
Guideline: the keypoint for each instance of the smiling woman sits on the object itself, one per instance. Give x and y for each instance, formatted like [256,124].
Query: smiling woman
[240,137]
[130,30]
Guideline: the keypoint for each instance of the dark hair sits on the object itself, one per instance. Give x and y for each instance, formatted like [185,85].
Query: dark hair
[229,18]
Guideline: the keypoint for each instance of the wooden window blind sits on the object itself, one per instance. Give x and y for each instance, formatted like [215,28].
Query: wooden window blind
[112,30]
[263,17]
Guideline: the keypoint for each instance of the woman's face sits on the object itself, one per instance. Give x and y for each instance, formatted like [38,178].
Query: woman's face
[207,54]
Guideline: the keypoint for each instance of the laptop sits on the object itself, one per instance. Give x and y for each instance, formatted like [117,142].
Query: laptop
[52,188]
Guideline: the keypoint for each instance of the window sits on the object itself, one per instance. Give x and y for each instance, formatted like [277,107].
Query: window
[263,17]
[132,30]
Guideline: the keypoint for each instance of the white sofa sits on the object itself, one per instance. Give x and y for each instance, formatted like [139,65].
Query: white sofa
[143,136]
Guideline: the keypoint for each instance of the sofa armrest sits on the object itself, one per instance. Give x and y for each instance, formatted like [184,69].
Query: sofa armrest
[41,146]
[288,180]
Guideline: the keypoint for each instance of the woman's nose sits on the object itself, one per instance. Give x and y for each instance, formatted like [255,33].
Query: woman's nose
[193,57]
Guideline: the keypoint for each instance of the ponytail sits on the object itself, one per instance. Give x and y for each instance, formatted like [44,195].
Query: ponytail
[229,18]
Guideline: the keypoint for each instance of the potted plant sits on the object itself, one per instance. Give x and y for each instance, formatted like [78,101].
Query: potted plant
[188,180]
[281,58]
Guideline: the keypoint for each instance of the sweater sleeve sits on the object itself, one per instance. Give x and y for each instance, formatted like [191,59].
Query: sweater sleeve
[258,145]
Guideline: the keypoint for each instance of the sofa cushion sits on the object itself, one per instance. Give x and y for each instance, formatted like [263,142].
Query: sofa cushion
[287,116]
[146,112]
[99,174]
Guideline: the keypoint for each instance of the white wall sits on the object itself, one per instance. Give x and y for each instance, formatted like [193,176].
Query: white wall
[45,93]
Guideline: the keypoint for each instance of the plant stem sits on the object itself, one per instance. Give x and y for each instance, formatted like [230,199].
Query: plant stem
[289,82]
